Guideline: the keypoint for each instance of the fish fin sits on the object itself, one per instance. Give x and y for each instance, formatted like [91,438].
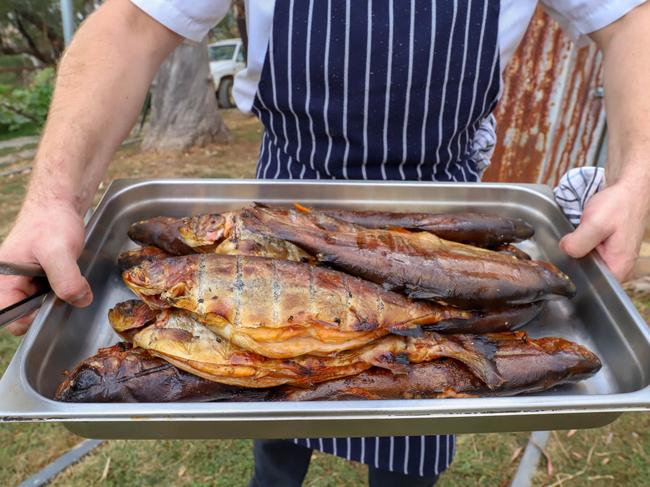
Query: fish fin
[397,363]
[478,356]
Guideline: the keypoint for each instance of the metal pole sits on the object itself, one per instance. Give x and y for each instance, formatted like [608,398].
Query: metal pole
[67,16]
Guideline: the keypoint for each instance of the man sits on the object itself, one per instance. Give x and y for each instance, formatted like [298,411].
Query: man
[353,89]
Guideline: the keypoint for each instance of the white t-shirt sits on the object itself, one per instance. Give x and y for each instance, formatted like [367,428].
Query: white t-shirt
[192,19]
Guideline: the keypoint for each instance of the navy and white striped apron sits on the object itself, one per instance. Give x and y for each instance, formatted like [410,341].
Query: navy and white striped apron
[381,90]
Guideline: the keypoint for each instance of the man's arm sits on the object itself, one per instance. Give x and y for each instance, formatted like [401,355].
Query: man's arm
[614,220]
[100,87]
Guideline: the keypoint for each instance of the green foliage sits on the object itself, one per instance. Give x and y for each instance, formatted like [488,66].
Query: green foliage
[21,107]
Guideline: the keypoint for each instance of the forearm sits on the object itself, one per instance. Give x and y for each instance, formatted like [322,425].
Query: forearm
[101,84]
[627,82]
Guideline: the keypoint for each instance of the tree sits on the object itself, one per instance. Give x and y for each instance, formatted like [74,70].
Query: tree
[239,9]
[184,109]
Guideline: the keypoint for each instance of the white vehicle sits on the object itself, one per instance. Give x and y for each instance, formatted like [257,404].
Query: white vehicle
[226,60]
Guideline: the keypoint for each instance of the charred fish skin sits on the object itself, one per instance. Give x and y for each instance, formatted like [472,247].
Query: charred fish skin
[524,364]
[272,301]
[482,230]
[162,232]
[424,266]
[123,374]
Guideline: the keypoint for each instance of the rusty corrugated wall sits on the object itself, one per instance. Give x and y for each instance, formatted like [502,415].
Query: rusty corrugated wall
[551,115]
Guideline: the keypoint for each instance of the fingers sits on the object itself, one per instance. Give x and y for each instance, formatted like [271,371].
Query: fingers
[585,238]
[618,258]
[20,327]
[12,290]
[60,264]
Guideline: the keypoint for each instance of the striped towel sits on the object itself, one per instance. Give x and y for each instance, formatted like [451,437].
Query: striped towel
[575,189]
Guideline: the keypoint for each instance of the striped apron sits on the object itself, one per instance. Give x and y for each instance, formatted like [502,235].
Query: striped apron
[380,90]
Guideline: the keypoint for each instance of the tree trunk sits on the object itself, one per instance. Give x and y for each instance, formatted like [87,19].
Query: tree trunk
[240,16]
[184,109]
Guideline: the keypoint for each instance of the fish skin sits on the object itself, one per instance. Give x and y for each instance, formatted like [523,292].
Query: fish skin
[526,365]
[483,230]
[162,232]
[123,374]
[180,338]
[283,309]
[516,252]
[209,233]
[421,265]
[131,258]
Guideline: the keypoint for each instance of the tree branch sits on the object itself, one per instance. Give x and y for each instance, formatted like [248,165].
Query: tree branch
[34,50]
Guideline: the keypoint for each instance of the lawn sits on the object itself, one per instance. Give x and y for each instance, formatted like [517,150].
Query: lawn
[615,455]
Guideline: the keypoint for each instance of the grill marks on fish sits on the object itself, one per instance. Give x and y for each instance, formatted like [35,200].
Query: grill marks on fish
[289,309]
[238,286]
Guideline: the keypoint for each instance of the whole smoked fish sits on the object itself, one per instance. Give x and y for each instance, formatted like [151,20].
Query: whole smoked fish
[420,264]
[186,343]
[524,364]
[283,309]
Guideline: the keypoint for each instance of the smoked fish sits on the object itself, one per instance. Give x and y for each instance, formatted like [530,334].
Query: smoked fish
[124,374]
[283,309]
[185,342]
[525,365]
[419,264]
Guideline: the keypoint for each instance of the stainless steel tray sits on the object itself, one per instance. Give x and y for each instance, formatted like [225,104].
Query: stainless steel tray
[600,316]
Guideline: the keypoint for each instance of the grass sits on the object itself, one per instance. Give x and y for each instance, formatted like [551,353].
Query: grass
[619,452]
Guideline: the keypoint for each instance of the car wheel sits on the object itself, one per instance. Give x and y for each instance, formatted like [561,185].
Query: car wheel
[224,95]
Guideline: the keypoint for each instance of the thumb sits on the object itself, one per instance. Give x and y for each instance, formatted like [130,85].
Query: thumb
[584,238]
[65,277]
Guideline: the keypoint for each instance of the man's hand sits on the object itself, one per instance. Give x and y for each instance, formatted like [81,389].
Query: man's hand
[613,223]
[101,83]
[50,234]
[614,219]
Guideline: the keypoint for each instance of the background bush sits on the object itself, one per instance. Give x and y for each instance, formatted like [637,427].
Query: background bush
[26,106]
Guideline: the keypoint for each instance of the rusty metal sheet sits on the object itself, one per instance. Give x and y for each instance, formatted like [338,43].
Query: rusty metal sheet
[551,115]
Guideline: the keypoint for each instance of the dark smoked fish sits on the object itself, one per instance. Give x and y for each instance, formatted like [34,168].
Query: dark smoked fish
[478,229]
[419,264]
[283,309]
[123,374]
[524,364]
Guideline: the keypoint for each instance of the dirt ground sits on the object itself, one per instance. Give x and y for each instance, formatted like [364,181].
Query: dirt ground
[618,454]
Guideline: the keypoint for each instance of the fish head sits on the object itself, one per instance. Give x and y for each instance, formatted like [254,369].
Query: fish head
[204,232]
[128,316]
[578,361]
[165,283]
[161,232]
